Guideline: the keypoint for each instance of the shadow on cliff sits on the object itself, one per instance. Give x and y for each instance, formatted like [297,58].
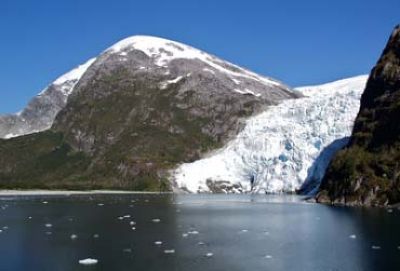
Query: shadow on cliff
[316,172]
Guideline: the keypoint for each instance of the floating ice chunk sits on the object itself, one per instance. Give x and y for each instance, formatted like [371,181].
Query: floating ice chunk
[353,236]
[158,243]
[100,204]
[156,220]
[390,210]
[193,232]
[201,243]
[1,231]
[120,217]
[73,236]
[5,228]
[127,250]
[48,225]
[29,217]
[96,235]
[49,233]
[209,254]
[184,235]
[44,202]
[376,247]
[169,251]
[244,231]
[134,228]
[88,261]
[132,223]
[126,216]
[268,257]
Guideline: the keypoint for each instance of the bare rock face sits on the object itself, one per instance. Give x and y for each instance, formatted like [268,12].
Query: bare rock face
[143,106]
[367,171]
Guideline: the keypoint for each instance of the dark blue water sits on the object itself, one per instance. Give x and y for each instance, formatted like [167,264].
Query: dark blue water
[237,232]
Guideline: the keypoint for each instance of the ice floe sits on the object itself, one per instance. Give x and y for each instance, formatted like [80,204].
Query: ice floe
[88,261]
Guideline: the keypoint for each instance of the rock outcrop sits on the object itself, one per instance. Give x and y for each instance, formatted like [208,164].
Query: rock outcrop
[367,171]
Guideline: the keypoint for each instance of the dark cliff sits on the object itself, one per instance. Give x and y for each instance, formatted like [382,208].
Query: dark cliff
[367,171]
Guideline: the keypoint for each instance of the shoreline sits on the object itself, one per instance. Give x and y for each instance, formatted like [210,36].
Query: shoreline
[39,192]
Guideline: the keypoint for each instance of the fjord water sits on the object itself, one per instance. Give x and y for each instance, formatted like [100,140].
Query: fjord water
[205,232]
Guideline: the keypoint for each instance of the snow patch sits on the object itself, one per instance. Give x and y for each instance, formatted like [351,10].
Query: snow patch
[246,92]
[75,74]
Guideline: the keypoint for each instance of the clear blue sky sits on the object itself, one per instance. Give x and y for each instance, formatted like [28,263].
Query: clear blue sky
[298,42]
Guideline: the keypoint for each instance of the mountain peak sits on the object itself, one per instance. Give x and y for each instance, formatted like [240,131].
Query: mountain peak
[155,46]
[163,51]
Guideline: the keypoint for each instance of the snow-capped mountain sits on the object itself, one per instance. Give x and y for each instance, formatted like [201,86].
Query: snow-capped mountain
[143,106]
[285,148]
[42,109]
[159,57]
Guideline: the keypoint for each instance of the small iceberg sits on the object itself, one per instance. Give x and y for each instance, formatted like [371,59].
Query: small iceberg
[353,236]
[88,261]
[156,220]
[158,243]
[169,251]
[209,254]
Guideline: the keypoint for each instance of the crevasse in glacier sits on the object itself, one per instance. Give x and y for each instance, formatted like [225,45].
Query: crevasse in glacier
[283,148]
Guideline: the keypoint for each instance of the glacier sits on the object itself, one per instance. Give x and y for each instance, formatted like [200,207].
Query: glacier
[285,148]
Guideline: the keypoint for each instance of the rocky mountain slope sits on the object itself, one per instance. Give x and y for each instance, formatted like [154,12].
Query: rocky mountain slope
[284,149]
[367,171]
[140,108]
[42,109]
